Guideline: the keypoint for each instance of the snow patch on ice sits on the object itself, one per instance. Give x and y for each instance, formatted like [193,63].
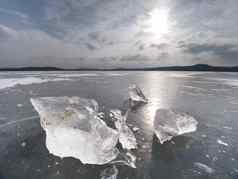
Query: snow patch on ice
[11,82]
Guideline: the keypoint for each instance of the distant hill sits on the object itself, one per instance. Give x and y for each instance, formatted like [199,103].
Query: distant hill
[198,67]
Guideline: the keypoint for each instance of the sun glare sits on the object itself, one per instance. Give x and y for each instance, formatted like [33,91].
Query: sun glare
[158,22]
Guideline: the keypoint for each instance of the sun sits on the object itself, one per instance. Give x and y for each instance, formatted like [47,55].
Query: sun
[158,22]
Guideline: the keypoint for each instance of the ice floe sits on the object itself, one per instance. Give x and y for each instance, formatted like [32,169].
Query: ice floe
[126,136]
[169,123]
[73,129]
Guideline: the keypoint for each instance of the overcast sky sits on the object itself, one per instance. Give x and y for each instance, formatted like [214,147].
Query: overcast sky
[118,33]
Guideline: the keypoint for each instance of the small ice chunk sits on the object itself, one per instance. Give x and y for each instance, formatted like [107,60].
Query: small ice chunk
[23,144]
[109,173]
[219,141]
[169,123]
[19,105]
[73,129]
[135,129]
[126,136]
[204,167]
[136,95]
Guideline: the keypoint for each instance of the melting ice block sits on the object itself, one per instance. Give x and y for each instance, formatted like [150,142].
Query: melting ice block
[169,123]
[136,95]
[73,129]
[126,136]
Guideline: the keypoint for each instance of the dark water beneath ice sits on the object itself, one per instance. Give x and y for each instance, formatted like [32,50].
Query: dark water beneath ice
[210,97]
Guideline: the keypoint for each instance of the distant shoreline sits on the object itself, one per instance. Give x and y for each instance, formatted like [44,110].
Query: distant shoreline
[198,67]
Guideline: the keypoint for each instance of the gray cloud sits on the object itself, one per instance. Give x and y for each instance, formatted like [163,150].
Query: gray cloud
[14,13]
[228,51]
[62,15]
[6,33]
[90,46]
[161,46]
[130,58]
[141,47]
[113,32]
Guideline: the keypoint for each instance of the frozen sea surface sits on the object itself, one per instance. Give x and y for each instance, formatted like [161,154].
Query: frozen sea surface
[209,153]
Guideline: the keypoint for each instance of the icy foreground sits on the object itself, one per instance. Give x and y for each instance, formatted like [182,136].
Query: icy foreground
[171,123]
[126,136]
[74,130]
[136,95]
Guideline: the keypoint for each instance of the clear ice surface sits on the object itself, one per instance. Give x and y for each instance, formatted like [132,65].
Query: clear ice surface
[136,95]
[73,129]
[126,136]
[170,123]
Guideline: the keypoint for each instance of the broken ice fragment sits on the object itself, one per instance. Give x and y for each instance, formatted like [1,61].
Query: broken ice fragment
[136,96]
[73,129]
[204,167]
[126,136]
[169,123]
[109,173]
